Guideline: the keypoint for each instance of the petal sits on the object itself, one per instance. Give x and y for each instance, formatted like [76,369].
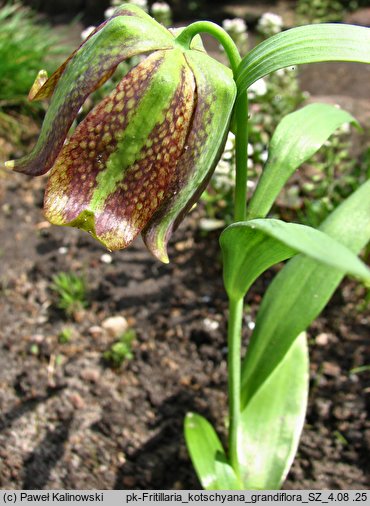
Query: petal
[216,93]
[44,89]
[121,161]
[120,38]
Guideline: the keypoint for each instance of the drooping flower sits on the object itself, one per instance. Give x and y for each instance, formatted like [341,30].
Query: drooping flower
[142,156]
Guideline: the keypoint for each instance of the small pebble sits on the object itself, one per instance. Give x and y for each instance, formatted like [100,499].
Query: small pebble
[210,324]
[115,325]
[106,258]
[95,331]
[330,369]
[90,374]
[76,400]
[322,339]
[62,250]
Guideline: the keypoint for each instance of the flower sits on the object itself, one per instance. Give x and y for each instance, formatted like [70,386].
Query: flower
[108,13]
[87,32]
[142,156]
[237,29]
[258,88]
[270,24]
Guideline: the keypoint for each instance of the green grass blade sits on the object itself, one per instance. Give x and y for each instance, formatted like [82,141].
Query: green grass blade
[300,292]
[251,247]
[305,44]
[272,422]
[297,137]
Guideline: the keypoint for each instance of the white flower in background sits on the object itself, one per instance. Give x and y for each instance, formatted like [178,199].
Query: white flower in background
[258,89]
[270,23]
[282,72]
[108,13]
[236,25]
[264,155]
[230,143]
[345,128]
[140,3]
[237,29]
[161,12]
[85,33]
[160,7]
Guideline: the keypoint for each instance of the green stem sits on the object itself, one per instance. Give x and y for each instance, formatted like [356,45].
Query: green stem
[236,306]
[187,35]
[234,367]
[240,199]
[241,158]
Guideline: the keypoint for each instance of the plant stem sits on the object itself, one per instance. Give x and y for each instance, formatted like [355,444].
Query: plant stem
[241,158]
[236,306]
[233,367]
[187,35]
[240,199]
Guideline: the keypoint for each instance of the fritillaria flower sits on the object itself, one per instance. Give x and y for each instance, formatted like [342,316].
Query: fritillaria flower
[143,155]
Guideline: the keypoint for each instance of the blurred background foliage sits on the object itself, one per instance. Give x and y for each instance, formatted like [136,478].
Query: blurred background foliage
[27,44]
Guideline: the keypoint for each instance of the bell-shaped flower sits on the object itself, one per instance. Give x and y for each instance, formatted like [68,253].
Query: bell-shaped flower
[141,157]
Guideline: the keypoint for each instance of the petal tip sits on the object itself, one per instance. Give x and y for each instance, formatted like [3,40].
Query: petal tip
[10,164]
[40,80]
[158,251]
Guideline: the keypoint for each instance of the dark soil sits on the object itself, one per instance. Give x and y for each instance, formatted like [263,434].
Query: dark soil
[68,420]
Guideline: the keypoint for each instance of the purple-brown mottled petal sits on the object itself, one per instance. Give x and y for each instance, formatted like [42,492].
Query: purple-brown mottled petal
[120,38]
[111,145]
[44,90]
[216,93]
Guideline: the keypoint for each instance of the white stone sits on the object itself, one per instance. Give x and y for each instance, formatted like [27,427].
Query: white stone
[115,325]
[106,258]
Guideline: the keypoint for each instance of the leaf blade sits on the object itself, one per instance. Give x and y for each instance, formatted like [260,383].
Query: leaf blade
[272,422]
[304,44]
[250,247]
[299,293]
[297,137]
[204,446]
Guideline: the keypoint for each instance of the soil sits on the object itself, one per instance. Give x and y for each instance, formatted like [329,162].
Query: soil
[70,421]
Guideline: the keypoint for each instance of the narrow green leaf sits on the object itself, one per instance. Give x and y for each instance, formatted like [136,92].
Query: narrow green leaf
[305,44]
[204,447]
[272,422]
[299,293]
[297,137]
[251,247]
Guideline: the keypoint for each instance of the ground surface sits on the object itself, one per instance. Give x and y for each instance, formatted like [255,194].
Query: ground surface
[67,420]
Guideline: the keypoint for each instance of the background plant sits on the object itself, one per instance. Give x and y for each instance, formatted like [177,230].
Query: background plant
[26,45]
[71,291]
[322,11]
[121,350]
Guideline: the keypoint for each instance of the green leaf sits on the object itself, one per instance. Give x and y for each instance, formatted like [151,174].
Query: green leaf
[299,293]
[251,247]
[297,137]
[305,44]
[272,422]
[226,477]
[208,456]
